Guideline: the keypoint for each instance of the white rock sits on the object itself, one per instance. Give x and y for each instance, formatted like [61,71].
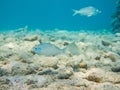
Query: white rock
[117,34]
[10,45]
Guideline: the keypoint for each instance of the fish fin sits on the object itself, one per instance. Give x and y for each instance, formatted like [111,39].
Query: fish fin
[75,12]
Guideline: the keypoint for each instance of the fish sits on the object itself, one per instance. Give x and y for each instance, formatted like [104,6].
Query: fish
[87,11]
[49,49]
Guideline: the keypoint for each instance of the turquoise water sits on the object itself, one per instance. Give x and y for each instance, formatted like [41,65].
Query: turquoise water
[51,14]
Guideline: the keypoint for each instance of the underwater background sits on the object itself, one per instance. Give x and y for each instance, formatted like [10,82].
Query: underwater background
[59,44]
[52,14]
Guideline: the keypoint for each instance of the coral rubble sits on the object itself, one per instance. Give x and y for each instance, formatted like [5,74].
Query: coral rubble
[91,61]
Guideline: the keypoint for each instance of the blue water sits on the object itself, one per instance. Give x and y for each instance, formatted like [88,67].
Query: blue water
[51,14]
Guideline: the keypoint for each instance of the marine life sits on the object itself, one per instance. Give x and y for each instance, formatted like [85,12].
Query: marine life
[59,48]
[47,49]
[52,50]
[87,11]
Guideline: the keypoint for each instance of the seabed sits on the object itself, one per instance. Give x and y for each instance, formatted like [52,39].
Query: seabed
[96,67]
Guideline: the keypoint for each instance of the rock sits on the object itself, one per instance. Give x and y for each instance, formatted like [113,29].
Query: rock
[78,79]
[1,38]
[105,62]
[116,69]
[4,80]
[103,86]
[32,38]
[35,67]
[116,49]
[5,53]
[3,72]
[48,71]
[41,80]
[27,46]
[116,40]
[100,76]
[95,75]
[83,65]
[64,84]
[10,39]
[74,63]
[111,56]
[37,80]
[97,58]
[28,82]
[11,45]
[21,69]
[112,77]
[4,87]
[25,57]
[49,62]
[64,73]
[118,85]
[17,83]
[63,87]
[78,75]
[65,43]
[7,67]
[106,43]
[117,34]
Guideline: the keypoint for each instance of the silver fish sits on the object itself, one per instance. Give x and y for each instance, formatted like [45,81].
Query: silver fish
[87,11]
[52,50]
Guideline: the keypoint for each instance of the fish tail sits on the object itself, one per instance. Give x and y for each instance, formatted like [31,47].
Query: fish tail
[75,12]
[72,48]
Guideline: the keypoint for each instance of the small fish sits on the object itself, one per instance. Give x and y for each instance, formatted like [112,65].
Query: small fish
[47,49]
[52,50]
[87,11]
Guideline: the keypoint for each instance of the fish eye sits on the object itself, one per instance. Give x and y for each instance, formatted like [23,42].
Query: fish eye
[36,49]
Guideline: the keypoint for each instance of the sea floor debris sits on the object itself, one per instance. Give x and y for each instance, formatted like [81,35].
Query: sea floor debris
[95,67]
